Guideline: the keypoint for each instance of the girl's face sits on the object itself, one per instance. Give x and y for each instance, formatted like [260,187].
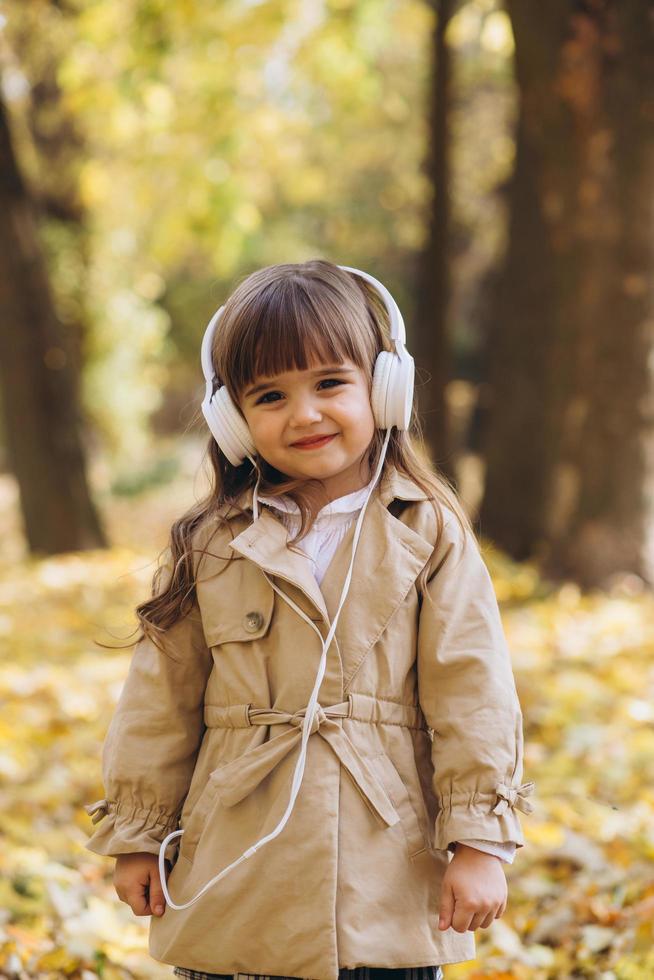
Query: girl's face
[319,401]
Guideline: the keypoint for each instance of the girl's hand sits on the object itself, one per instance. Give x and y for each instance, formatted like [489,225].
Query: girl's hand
[474,890]
[136,880]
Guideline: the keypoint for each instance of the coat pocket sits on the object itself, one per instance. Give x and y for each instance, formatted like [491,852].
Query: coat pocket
[239,634]
[399,797]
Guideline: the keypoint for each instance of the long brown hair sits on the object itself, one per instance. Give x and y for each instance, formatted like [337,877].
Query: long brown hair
[281,318]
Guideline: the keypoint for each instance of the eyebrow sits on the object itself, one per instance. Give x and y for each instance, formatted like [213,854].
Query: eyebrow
[334,369]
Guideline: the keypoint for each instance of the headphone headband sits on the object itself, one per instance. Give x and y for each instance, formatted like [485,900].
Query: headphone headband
[397,328]
[205,351]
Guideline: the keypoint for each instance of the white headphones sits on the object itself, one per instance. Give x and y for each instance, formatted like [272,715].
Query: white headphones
[391,396]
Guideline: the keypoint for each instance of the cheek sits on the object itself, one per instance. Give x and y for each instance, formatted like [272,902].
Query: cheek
[369,428]
[260,429]
[360,413]
[358,425]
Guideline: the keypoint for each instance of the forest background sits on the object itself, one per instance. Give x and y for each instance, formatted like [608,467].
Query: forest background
[493,164]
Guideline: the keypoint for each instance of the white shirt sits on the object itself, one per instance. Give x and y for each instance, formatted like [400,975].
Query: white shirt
[327,531]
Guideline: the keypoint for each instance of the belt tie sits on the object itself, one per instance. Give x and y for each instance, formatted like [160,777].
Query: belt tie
[237,779]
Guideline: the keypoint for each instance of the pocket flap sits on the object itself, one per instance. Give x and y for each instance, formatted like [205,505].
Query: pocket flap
[240,621]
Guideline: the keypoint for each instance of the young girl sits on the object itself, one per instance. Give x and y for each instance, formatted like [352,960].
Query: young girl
[321,712]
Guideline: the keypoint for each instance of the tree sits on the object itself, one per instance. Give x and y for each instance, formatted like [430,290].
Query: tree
[432,352]
[569,440]
[37,380]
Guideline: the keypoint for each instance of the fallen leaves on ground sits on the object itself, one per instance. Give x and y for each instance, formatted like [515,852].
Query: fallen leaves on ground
[581,892]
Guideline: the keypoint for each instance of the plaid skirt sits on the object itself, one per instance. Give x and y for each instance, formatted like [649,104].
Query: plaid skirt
[358,973]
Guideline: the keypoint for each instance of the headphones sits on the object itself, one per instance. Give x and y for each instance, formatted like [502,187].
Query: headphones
[391,396]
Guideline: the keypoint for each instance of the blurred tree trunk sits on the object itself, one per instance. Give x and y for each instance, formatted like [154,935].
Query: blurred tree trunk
[38,380]
[569,446]
[432,354]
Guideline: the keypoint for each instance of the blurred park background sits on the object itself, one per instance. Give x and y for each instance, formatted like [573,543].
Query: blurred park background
[493,164]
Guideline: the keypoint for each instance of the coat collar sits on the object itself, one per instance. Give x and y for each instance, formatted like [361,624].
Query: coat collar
[393,550]
[393,485]
[328,513]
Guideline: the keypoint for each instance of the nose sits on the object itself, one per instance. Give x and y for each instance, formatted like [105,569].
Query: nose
[304,411]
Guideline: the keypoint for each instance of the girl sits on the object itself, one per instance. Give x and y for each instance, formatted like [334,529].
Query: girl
[345,775]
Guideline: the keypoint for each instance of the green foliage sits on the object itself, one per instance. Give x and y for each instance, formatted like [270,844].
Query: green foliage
[214,139]
[133,482]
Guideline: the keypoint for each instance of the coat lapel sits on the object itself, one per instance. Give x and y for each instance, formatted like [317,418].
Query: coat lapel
[264,543]
[389,557]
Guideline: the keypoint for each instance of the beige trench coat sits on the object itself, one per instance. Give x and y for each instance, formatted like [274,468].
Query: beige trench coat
[419,743]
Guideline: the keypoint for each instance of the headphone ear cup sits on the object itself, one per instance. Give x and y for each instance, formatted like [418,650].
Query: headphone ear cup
[401,384]
[379,392]
[391,396]
[228,427]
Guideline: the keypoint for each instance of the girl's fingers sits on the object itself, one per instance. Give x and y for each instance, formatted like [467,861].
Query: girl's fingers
[137,900]
[142,890]
[157,900]
[446,907]
[476,922]
[480,920]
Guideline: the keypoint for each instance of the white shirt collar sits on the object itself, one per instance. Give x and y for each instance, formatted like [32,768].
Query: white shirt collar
[348,504]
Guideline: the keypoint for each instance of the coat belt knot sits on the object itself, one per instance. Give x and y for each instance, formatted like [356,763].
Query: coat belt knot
[319,718]
[514,796]
[235,780]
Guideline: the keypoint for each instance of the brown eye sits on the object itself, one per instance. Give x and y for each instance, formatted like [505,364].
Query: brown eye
[261,400]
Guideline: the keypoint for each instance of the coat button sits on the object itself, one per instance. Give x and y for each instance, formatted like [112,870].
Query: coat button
[253,622]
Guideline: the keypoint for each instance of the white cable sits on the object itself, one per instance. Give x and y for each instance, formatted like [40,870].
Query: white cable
[310,710]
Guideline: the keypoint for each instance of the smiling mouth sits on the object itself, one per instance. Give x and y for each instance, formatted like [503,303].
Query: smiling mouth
[323,440]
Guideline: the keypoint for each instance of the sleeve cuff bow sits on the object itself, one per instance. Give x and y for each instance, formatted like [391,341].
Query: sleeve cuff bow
[514,796]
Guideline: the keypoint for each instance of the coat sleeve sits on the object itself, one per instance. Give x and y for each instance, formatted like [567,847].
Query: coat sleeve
[504,850]
[153,739]
[468,697]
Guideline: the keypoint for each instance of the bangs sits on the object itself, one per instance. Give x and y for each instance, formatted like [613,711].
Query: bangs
[285,328]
